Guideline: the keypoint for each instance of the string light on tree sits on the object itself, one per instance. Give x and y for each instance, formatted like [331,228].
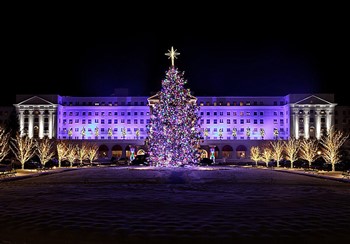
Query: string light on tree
[174,129]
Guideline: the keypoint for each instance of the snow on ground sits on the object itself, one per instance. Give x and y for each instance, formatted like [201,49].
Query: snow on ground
[177,205]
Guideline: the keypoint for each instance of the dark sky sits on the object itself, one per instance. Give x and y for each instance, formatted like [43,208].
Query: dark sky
[258,55]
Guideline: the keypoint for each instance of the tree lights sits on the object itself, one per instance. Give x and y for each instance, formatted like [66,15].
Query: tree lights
[174,129]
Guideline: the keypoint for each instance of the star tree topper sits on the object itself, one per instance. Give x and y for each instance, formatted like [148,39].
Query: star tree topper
[172,55]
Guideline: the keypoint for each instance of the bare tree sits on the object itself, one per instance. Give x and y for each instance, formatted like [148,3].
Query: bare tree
[71,154]
[82,152]
[255,154]
[277,150]
[266,155]
[92,150]
[62,151]
[291,147]
[45,150]
[308,150]
[4,143]
[23,148]
[331,144]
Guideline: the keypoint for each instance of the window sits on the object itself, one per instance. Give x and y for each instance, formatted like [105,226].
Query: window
[215,121]
[255,121]
[96,120]
[221,113]
[228,113]
[83,121]
[221,121]
[215,113]
[261,121]
[228,121]
[242,121]
[135,121]
[115,121]
[208,121]
[241,113]
[76,120]
[128,121]
[96,113]
[102,121]
[248,121]
[261,113]
[89,121]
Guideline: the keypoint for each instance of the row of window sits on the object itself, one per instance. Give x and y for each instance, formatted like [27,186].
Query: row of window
[103,113]
[242,121]
[242,129]
[109,121]
[201,103]
[241,113]
[234,113]
[241,103]
[103,103]
[78,129]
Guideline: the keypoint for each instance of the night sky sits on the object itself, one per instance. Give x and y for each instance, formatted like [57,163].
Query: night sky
[241,56]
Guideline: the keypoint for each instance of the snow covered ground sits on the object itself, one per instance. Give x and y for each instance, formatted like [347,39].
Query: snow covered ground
[177,205]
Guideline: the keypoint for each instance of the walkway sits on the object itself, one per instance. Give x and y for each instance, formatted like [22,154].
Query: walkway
[147,205]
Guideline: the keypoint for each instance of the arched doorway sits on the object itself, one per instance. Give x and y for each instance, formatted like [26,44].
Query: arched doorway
[141,152]
[127,152]
[117,151]
[241,152]
[36,131]
[312,132]
[203,153]
[103,152]
[227,151]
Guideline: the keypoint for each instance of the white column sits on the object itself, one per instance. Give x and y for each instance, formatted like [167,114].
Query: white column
[31,124]
[306,126]
[328,120]
[50,125]
[296,126]
[318,124]
[41,125]
[54,129]
[21,122]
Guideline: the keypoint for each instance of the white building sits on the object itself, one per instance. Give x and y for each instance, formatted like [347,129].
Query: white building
[230,125]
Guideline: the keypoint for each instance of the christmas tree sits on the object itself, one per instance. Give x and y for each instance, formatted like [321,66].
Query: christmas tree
[174,129]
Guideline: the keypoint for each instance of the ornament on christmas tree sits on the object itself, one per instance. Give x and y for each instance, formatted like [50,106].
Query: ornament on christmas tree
[174,129]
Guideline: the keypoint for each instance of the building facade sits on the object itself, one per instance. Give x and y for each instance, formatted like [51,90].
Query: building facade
[229,125]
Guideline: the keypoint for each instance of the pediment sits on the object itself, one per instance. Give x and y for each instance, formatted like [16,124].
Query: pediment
[35,100]
[312,100]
